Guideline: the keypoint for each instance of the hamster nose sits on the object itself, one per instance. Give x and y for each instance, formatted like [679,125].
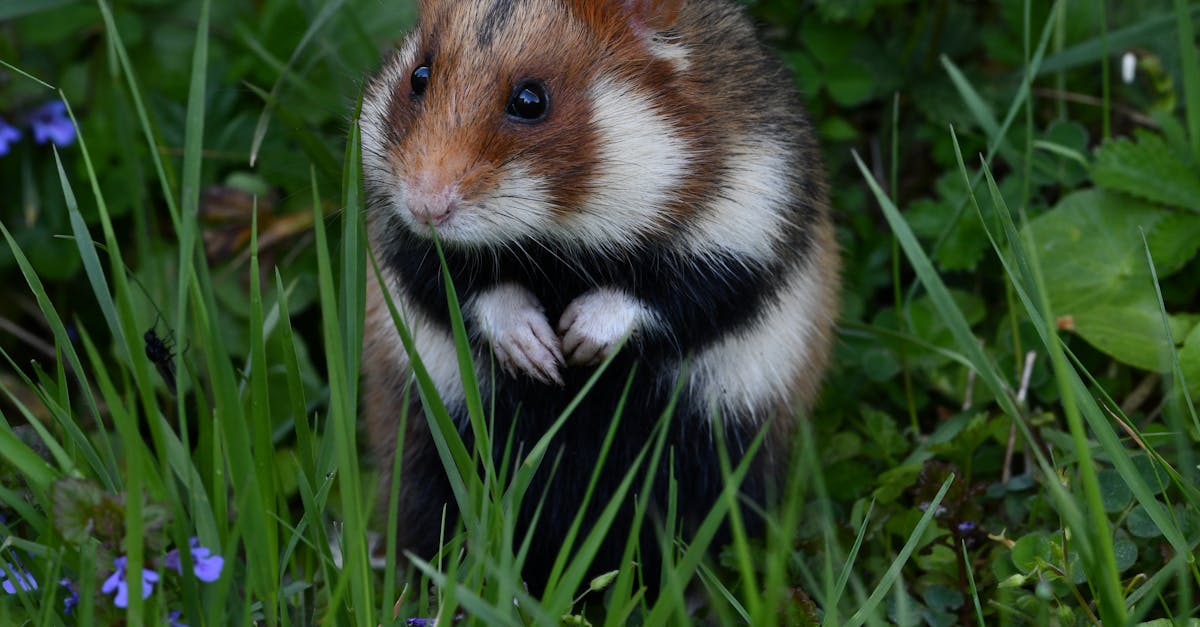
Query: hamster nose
[432,208]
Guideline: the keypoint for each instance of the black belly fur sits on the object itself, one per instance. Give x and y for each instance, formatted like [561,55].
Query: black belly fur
[697,302]
[527,409]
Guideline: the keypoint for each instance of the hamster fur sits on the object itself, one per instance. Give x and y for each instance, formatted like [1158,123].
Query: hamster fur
[596,169]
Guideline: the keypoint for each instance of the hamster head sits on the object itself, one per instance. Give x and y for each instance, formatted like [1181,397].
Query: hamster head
[504,120]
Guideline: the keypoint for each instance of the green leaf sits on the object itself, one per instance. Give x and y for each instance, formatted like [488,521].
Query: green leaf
[1145,469]
[1174,242]
[76,503]
[1095,269]
[939,597]
[1189,360]
[1091,250]
[1149,169]
[1140,525]
[1126,552]
[1115,494]
[1030,551]
[882,432]
[894,481]
[1132,334]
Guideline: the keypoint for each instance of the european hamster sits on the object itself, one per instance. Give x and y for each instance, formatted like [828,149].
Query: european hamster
[596,170]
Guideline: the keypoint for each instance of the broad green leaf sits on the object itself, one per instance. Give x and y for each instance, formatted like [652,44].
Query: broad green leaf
[76,508]
[940,597]
[1094,263]
[1132,334]
[1092,253]
[1147,168]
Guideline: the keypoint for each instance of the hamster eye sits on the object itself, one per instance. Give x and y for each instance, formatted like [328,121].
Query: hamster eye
[420,80]
[529,102]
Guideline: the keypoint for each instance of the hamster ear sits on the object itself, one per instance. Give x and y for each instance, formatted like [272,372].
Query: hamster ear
[653,15]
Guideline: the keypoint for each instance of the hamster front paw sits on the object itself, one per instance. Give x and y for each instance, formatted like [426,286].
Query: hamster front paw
[595,323]
[521,337]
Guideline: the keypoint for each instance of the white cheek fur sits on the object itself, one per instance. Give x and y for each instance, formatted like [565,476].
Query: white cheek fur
[747,214]
[641,162]
[518,207]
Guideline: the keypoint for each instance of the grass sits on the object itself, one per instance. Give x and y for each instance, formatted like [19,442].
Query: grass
[259,457]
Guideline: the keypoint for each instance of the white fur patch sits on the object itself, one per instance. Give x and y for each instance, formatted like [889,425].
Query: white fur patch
[641,162]
[434,345]
[748,213]
[518,207]
[759,367]
[670,50]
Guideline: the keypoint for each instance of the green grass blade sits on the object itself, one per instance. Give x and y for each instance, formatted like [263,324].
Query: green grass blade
[327,12]
[1141,34]
[343,424]
[609,437]
[478,607]
[1189,58]
[705,533]
[164,174]
[893,572]
[844,576]
[37,474]
[971,580]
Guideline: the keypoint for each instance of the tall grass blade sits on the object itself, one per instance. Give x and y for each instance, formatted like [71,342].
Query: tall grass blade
[893,572]
[1189,58]
[343,419]
[326,13]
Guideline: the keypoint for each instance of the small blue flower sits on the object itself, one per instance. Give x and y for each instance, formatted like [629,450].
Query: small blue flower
[72,598]
[173,619]
[207,566]
[8,136]
[50,123]
[117,582]
[966,526]
[421,622]
[24,579]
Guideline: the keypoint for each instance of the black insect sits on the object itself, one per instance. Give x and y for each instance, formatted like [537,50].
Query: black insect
[161,352]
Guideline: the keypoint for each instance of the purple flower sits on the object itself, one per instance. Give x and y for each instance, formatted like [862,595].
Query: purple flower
[966,526]
[207,566]
[72,598]
[421,622]
[50,123]
[24,579]
[8,135]
[173,619]
[117,582]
